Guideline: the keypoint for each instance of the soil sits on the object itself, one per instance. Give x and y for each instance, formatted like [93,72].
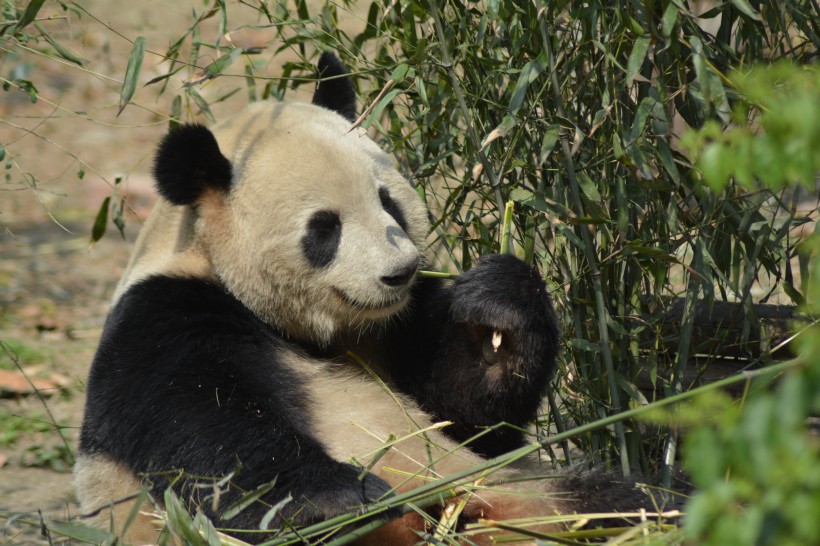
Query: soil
[64,155]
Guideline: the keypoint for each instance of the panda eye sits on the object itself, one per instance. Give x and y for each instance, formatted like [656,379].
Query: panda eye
[391,208]
[319,244]
[324,222]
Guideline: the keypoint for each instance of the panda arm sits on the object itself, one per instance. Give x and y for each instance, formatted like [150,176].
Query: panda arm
[448,362]
[188,387]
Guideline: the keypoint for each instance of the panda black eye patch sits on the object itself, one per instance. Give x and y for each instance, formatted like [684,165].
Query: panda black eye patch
[320,243]
[391,207]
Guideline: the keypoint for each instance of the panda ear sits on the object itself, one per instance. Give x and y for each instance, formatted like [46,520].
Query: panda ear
[188,162]
[334,92]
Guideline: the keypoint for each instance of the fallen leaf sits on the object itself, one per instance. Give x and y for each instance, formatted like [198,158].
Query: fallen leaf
[13,383]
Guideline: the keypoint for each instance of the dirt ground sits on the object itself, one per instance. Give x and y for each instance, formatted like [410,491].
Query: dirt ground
[63,156]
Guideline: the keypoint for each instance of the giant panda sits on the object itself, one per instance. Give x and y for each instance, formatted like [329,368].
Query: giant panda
[272,328]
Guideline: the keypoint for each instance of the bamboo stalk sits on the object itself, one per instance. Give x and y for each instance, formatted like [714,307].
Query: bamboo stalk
[506,228]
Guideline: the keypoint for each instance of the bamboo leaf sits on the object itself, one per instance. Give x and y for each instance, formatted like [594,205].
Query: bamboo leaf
[548,142]
[503,128]
[630,389]
[176,112]
[246,500]
[530,71]
[538,202]
[216,68]
[28,16]
[670,16]
[642,116]
[665,154]
[101,221]
[223,21]
[793,293]
[180,522]
[302,10]
[207,530]
[584,345]
[746,9]
[132,73]
[59,48]
[201,102]
[118,216]
[80,532]
[165,76]
[422,90]
[636,58]
[589,188]
[400,72]
[376,112]
[567,232]
[655,253]
[264,523]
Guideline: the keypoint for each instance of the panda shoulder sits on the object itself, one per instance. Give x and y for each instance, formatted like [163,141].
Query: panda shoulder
[163,307]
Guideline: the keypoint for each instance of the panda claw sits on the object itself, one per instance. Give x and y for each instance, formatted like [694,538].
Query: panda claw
[491,350]
[496,340]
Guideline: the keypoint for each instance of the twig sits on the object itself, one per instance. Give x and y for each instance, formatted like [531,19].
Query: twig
[13,356]
[389,85]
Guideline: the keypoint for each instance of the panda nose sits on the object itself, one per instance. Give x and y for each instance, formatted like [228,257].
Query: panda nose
[401,275]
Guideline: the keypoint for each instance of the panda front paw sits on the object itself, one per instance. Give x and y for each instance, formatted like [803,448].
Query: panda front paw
[340,491]
[503,303]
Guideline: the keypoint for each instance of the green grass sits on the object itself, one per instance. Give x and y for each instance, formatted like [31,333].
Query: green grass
[25,353]
[14,426]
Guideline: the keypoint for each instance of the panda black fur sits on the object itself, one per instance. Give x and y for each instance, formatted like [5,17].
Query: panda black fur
[284,241]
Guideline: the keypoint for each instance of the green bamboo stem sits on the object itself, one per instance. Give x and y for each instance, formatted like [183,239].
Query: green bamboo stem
[506,228]
[437,274]
[684,343]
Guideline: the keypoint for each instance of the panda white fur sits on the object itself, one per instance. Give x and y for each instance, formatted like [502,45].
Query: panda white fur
[284,241]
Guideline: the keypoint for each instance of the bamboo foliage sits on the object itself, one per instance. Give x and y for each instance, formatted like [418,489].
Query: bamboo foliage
[574,111]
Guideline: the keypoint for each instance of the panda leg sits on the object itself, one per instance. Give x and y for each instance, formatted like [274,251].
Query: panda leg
[102,485]
[499,506]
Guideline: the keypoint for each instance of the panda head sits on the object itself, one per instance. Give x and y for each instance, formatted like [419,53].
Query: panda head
[303,220]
